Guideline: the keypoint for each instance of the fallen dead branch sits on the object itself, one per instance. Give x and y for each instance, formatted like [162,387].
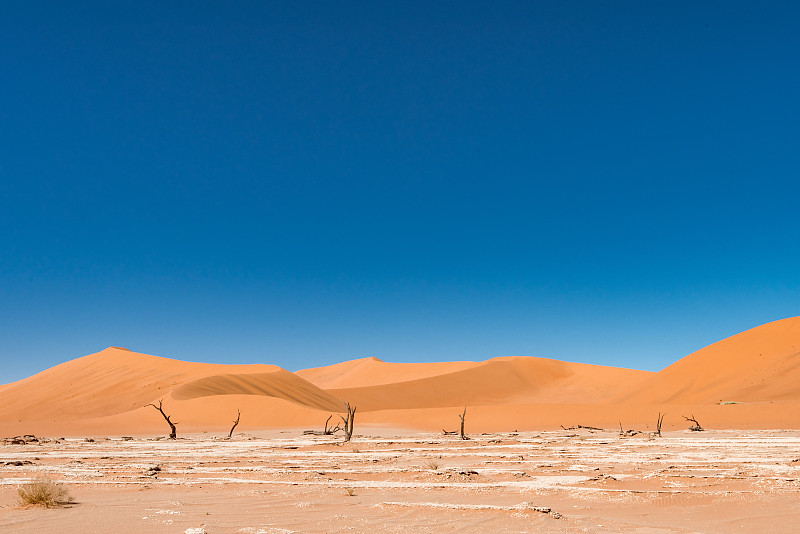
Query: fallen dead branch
[584,427]
[27,439]
[629,432]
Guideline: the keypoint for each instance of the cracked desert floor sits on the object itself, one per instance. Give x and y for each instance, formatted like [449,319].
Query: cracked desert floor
[400,481]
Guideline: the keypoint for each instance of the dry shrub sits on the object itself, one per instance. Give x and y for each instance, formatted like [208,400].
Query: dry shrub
[44,492]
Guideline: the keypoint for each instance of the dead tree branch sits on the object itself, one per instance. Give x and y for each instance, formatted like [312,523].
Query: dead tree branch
[629,432]
[173,434]
[235,423]
[696,427]
[330,431]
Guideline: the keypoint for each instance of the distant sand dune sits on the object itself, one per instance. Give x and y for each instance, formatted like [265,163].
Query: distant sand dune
[750,380]
[511,380]
[375,372]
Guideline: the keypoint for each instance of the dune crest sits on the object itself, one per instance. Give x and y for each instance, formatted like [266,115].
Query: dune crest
[280,384]
[374,372]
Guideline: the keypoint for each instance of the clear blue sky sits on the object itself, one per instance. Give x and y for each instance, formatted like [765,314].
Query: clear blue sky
[310,182]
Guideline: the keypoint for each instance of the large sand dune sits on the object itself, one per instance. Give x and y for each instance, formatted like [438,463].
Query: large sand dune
[111,389]
[749,380]
[759,365]
[499,381]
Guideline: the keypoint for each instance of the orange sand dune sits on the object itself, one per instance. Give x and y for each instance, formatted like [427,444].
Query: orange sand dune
[108,392]
[759,365]
[374,372]
[508,380]
[118,383]
[117,380]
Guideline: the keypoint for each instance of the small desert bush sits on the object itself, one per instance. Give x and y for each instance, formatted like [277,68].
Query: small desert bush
[432,465]
[44,492]
[350,492]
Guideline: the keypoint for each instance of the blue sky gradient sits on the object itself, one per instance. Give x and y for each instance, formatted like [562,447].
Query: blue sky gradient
[305,183]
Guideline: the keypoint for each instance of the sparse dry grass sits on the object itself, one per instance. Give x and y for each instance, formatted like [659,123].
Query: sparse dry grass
[44,492]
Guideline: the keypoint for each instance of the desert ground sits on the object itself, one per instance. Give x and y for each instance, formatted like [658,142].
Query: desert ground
[385,480]
[554,446]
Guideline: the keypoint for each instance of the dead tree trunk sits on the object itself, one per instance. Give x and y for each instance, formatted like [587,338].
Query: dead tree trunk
[235,423]
[658,424]
[696,427]
[462,417]
[348,422]
[173,434]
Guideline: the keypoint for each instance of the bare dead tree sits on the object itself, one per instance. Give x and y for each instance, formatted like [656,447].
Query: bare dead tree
[696,427]
[173,434]
[348,421]
[330,431]
[658,424]
[462,416]
[235,423]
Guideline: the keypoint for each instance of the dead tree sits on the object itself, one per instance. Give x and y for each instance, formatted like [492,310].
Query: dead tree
[173,434]
[658,424]
[462,417]
[696,427]
[235,423]
[326,432]
[348,422]
[330,431]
